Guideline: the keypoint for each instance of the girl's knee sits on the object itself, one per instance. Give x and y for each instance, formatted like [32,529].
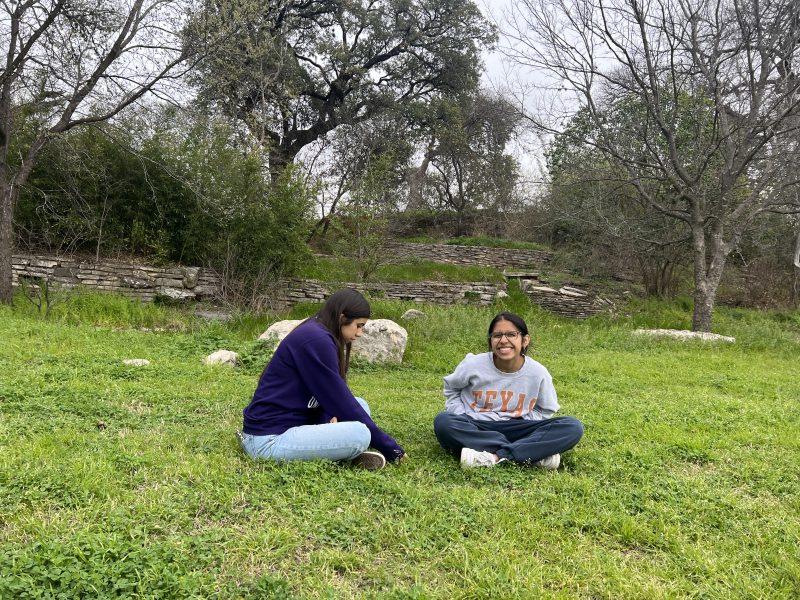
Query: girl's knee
[442,422]
[364,405]
[361,437]
[575,428]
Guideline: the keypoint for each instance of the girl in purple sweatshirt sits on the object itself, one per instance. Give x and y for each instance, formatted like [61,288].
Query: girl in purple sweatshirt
[302,408]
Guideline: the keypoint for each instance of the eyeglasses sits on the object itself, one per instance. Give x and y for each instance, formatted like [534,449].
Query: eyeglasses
[509,335]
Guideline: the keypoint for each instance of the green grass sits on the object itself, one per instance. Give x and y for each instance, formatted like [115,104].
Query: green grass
[490,242]
[479,240]
[342,271]
[126,482]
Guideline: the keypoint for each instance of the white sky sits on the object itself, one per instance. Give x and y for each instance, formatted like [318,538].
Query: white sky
[512,80]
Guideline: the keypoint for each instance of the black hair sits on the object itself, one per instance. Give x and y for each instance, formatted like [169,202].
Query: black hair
[515,320]
[342,308]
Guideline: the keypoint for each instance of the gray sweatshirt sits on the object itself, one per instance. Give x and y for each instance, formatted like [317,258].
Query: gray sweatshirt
[482,391]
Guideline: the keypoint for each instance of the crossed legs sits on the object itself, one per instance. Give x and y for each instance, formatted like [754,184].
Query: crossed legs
[517,440]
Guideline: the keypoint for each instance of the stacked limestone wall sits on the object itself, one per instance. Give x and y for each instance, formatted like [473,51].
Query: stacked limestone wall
[193,283]
[499,258]
[423,292]
[136,281]
[566,301]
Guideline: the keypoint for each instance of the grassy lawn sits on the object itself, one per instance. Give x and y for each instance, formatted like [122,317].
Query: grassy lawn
[126,482]
[342,270]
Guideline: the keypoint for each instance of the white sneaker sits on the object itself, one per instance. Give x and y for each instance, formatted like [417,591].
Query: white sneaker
[369,460]
[550,463]
[476,458]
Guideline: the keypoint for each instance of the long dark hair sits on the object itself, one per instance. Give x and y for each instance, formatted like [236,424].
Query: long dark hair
[342,308]
[515,320]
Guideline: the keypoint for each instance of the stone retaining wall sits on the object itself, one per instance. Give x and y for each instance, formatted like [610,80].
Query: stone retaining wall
[136,281]
[566,301]
[194,283]
[422,292]
[500,258]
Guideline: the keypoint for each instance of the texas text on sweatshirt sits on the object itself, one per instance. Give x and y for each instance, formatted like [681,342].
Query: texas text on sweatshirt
[484,392]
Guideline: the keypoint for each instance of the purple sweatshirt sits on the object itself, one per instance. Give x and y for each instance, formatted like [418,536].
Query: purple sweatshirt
[302,386]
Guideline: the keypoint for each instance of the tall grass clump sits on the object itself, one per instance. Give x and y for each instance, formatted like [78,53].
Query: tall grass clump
[79,306]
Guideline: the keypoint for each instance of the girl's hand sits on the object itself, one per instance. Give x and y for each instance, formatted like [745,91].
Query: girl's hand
[334,420]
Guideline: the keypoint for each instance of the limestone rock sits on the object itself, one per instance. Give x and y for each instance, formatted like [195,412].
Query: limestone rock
[175,294]
[222,357]
[278,331]
[383,341]
[136,283]
[573,292]
[570,302]
[683,334]
[190,275]
[136,362]
[413,313]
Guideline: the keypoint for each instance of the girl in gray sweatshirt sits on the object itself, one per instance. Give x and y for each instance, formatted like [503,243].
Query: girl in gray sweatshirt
[499,405]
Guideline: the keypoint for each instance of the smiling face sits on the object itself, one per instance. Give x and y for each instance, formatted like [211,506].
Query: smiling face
[507,343]
[353,330]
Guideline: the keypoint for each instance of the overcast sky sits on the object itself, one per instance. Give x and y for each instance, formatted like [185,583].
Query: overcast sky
[508,79]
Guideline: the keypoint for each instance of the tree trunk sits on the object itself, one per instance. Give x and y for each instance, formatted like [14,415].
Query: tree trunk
[9,192]
[279,159]
[6,241]
[797,251]
[704,297]
[707,276]
[415,178]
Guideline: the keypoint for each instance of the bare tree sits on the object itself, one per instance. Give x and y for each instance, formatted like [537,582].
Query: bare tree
[717,98]
[68,63]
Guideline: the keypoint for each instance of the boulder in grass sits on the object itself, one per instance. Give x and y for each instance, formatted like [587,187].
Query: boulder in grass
[683,334]
[136,362]
[383,341]
[277,331]
[222,357]
[413,313]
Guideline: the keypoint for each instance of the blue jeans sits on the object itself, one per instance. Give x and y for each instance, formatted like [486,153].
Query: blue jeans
[329,441]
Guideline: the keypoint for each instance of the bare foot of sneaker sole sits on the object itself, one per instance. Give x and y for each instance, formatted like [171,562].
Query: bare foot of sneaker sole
[550,463]
[371,461]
